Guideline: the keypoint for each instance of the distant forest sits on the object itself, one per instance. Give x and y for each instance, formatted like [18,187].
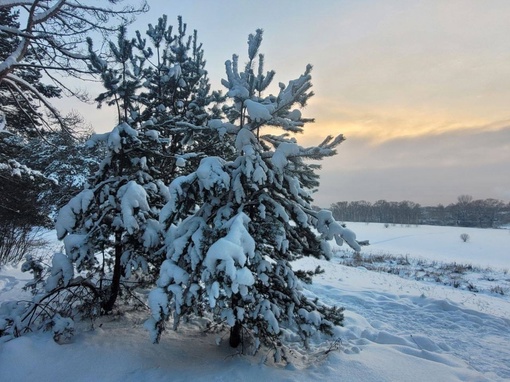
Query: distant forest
[466,212]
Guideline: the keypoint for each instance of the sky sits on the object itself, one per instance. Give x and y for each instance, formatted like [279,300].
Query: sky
[420,89]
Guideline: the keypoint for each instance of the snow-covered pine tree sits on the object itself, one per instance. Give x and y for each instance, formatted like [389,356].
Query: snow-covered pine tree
[51,40]
[176,79]
[120,74]
[116,214]
[176,97]
[244,221]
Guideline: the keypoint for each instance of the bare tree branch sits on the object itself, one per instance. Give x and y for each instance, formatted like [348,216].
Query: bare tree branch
[55,34]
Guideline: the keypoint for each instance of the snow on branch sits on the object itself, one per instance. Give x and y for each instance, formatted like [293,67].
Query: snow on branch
[15,3]
[13,58]
[259,112]
[330,229]
[15,81]
[50,12]
[68,215]
[229,256]
[211,173]
[61,271]
[133,197]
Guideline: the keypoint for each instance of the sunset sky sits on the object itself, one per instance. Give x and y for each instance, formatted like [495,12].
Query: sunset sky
[421,89]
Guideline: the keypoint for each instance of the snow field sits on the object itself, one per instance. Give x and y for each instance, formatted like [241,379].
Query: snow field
[395,329]
[485,247]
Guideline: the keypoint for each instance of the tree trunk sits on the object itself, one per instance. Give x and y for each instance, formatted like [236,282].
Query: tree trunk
[235,335]
[117,271]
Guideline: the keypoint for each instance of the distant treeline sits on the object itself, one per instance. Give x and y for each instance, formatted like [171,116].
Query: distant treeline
[486,213]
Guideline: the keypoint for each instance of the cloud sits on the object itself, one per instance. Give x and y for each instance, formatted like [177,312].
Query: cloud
[400,69]
[378,125]
[427,169]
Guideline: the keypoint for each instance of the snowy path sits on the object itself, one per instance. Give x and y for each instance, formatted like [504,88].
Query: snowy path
[411,319]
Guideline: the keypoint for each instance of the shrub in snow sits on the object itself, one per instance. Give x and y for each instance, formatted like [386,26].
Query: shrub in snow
[62,328]
[52,308]
[499,290]
[239,223]
[464,237]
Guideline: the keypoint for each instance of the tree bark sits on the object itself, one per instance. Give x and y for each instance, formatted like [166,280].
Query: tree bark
[235,335]
[117,271]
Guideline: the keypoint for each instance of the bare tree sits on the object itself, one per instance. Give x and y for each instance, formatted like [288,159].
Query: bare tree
[464,237]
[464,199]
[53,40]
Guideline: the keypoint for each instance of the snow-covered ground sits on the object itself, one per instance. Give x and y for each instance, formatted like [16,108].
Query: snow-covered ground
[396,329]
[485,247]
